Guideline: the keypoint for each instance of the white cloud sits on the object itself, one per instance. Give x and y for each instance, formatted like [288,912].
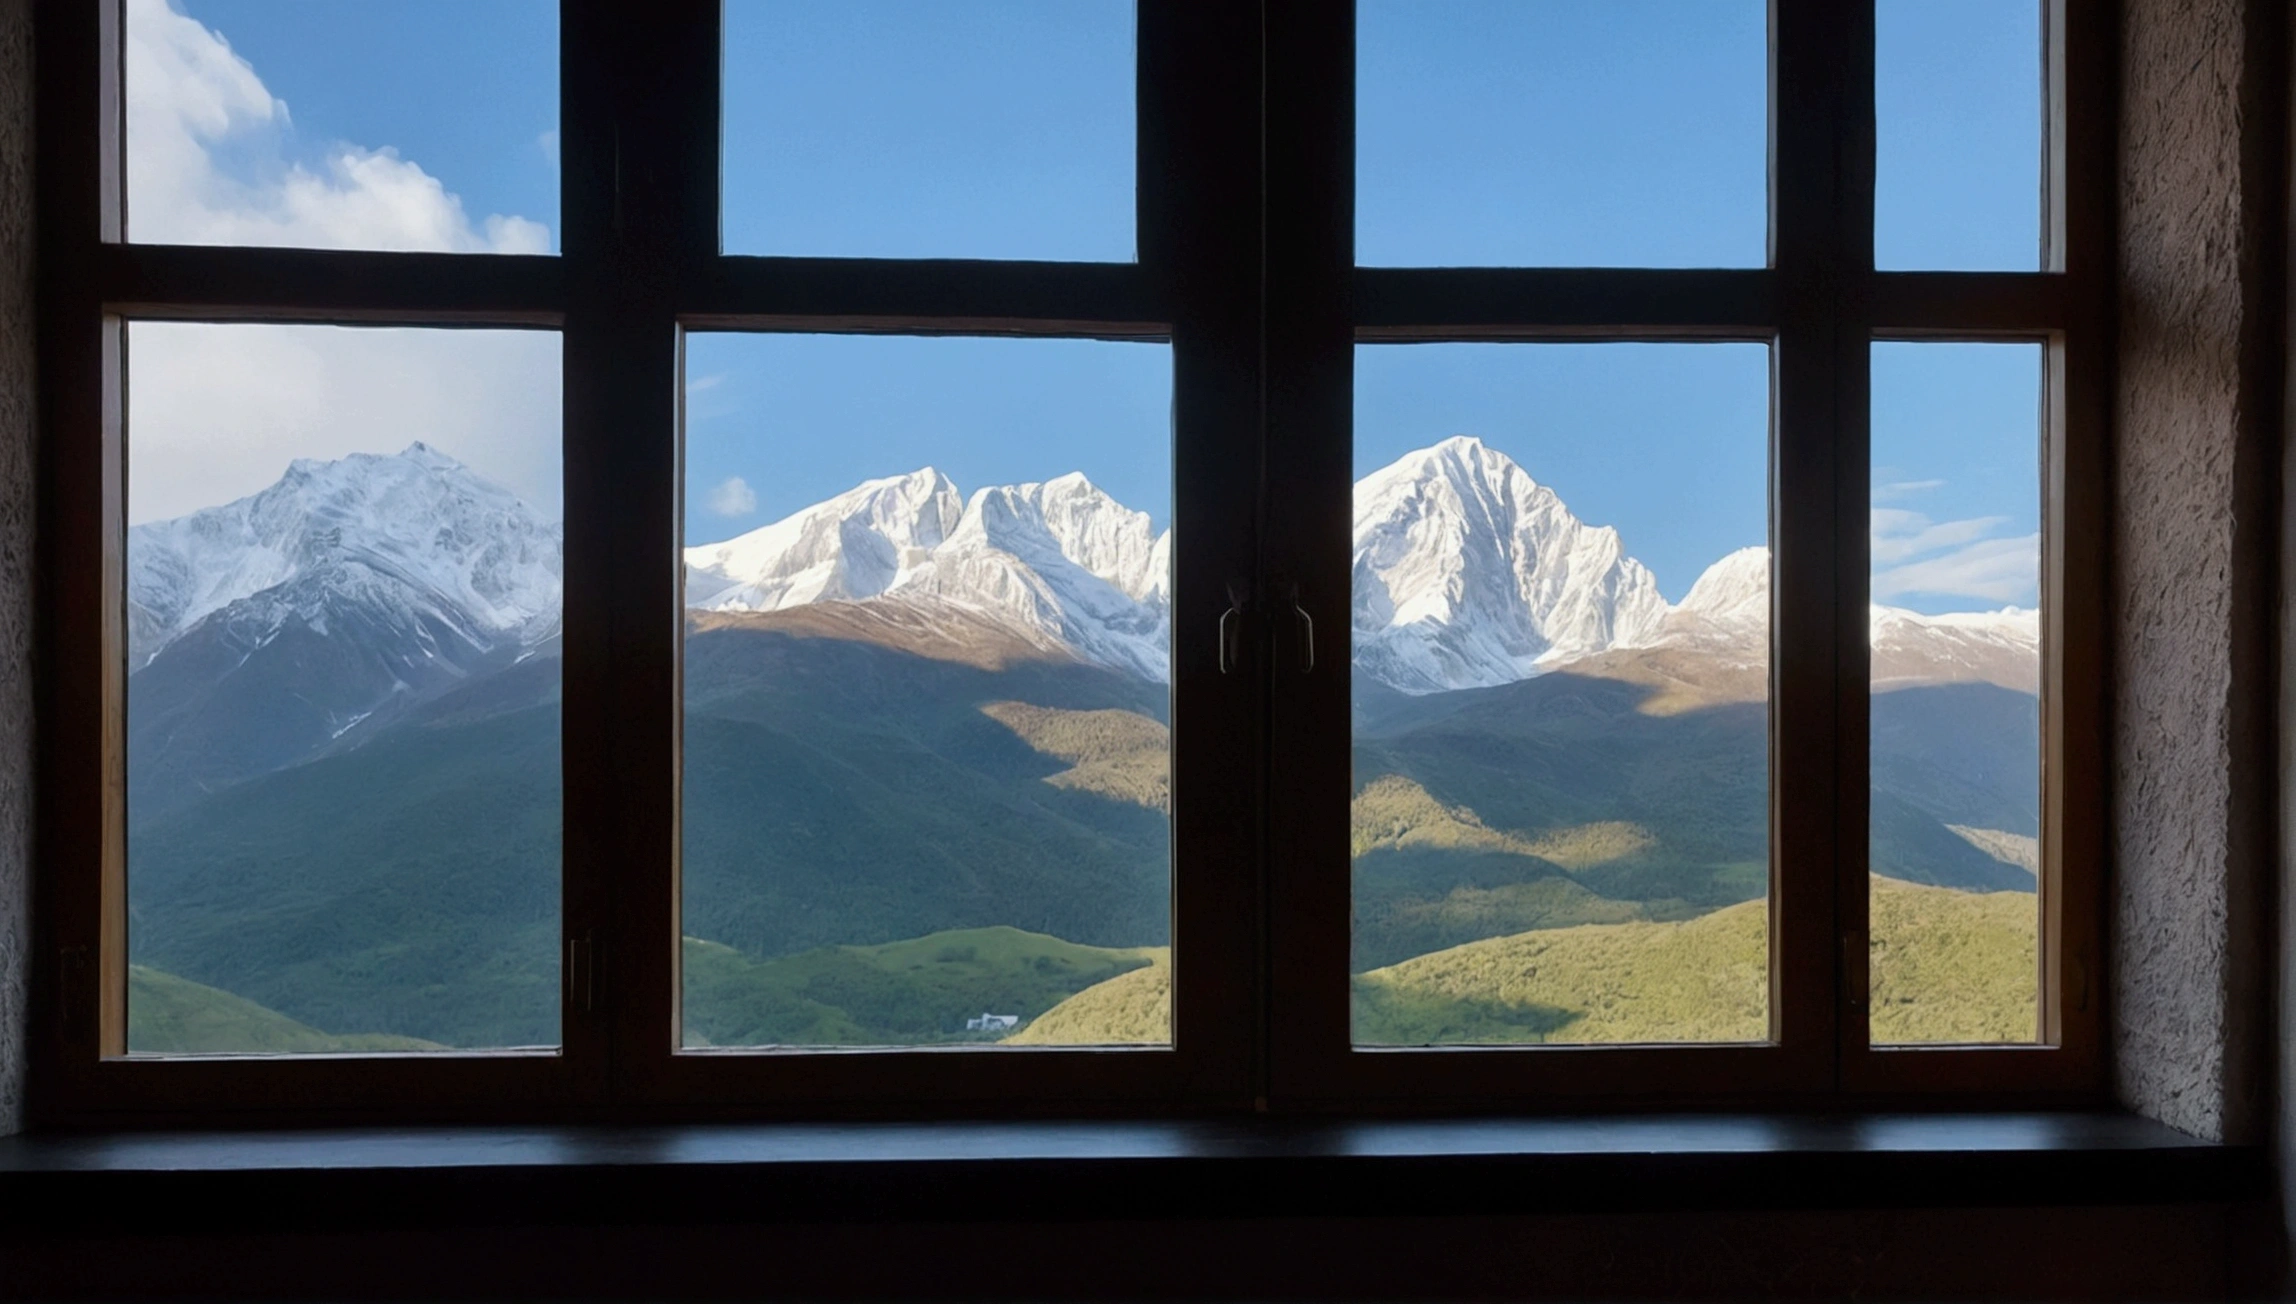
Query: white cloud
[1891,492]
[217,412]
[191,100]
[547,142]
[733,497]
[1899,535]
[1958,559]
[700,384]
[1993,570]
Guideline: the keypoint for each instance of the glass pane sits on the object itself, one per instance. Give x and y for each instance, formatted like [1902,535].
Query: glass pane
[343,581]
[400,124]
[1957,146]
[1956,804]
[1631,133]
[927,714]
[1561,696]
[925,129]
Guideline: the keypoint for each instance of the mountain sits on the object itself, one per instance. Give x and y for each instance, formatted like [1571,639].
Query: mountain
[1468,573]
[311,615]
[1725,618]
[909,711]
[1060,563]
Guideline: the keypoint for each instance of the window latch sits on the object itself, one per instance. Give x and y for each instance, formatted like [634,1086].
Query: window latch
[1306,634]
[579,970]
[1232,626]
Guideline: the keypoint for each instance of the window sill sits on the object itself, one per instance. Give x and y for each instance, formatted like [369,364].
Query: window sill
[180,1183]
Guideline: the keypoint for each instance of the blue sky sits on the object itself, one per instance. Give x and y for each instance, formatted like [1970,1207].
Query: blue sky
[1490,131]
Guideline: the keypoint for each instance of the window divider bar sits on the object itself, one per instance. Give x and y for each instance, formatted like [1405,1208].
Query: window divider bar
[947,295]
[194,282]
[1969,304]
[1453,303]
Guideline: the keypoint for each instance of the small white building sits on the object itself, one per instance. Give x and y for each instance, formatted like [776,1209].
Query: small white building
[993,1023]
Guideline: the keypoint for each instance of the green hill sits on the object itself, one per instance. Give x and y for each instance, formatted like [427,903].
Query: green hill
[1131,1009]
[837,793]
[1948,966]
[914,992]
[168,1015]
[849,787]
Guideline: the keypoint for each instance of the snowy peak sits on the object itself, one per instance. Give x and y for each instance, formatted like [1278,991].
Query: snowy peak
[1071,517]
[1728,612]
[419,521]
[1733,593]
[1469,573]
[856,545]
[1060,563]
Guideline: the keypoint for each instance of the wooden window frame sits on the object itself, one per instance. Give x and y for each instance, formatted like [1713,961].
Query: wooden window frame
[1245,266]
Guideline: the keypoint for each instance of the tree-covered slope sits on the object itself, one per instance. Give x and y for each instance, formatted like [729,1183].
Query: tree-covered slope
[915,992]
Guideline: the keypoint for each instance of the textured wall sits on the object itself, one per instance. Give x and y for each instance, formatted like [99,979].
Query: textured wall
[15,544]
[2194,543]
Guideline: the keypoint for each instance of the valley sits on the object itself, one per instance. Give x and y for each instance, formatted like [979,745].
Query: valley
[926,777]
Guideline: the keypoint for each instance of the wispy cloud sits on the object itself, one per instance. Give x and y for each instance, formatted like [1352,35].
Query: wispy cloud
[1963,559]
[1900,535]
[547,142]
[1995,570]
[733,497]
[700,384]
[1891,492]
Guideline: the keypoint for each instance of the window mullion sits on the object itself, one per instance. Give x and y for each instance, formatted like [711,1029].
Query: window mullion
[1308,485]
[1822,249]
[635,84]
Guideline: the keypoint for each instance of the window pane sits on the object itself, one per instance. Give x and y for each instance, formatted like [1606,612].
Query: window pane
[1957,147]
[927,714]
[1561,650]
[1632,133]
[343,579]
[926,129]
[404,124]
[1956,808]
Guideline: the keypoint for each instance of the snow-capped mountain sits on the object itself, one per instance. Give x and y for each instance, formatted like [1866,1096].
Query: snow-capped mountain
[856,545]
[417,530]
[312,614]
[1727,613]
[1060,563]
[1469,573]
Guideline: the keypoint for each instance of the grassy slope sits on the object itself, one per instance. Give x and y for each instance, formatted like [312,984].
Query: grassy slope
[1429,875]
[1131,1009]
[168,1015]
[918,991]
[1949,966]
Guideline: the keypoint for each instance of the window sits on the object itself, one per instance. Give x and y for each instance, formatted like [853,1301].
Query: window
[1031,557]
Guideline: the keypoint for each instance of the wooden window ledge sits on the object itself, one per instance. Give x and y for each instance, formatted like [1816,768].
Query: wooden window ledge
[185,1182]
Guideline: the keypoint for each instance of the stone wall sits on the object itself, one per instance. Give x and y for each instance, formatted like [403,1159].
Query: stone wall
[16,573]
[2195,543]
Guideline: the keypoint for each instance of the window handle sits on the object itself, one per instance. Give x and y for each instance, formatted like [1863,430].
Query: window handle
[1306,636]
[1232,626]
